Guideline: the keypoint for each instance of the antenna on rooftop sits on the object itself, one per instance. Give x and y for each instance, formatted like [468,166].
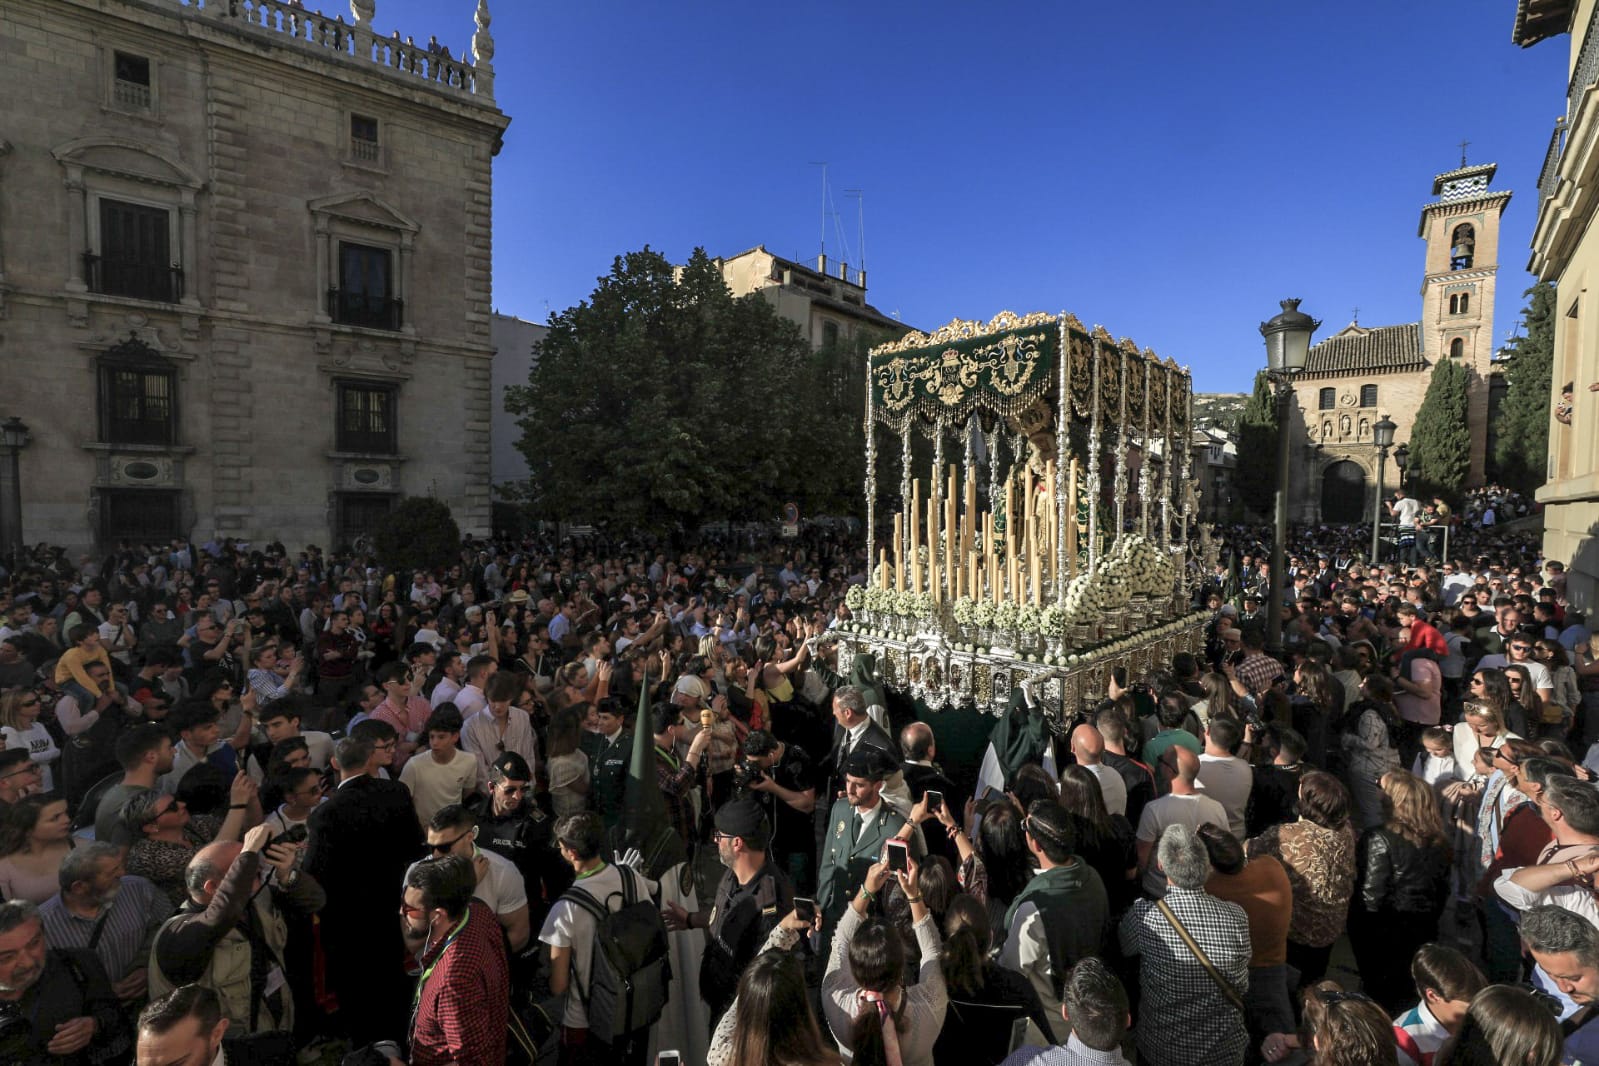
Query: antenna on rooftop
[823,165]
[859,196]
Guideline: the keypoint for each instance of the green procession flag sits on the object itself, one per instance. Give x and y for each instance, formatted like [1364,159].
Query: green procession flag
[644,824]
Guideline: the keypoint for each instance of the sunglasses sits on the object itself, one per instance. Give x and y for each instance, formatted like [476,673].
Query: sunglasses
[1331,997]
[443,847]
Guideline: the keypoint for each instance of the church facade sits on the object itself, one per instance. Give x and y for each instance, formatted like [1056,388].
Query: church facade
[1360,374]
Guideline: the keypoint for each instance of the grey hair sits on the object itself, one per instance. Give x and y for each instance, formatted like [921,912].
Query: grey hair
[851,698]
[16,912]
[1183,857]
[1577,802]
[80,862]
[139,811]
[1556,931]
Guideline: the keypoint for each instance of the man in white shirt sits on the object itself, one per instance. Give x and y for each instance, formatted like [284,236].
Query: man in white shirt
[569,928]
[1089,749]
[1184,805]
[452,671]
[445,775]
[472,698]
[453,831]
[1223,776]
[116,634]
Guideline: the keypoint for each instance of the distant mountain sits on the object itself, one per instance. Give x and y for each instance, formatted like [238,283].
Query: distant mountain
[1219,409]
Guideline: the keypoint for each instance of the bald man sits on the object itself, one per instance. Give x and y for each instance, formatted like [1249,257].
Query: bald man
[208,941]
[923,775]
[1088,748]
[1184,805]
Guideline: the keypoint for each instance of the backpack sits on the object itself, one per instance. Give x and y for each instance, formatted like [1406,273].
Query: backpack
[630,967]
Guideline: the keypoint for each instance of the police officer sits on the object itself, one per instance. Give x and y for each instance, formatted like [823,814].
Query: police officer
[858,825]
[752,898]
[518,830]
[609,751]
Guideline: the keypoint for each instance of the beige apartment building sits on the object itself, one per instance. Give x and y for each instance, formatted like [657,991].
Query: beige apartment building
[1565,251]
[1361,373]
[244,267]
[827,301]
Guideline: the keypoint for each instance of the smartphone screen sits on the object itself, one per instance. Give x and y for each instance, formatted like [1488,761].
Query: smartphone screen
[935,800]
[805,908]
[669,1058]
[898,857]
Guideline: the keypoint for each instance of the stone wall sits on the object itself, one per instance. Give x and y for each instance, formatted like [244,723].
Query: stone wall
[246,137]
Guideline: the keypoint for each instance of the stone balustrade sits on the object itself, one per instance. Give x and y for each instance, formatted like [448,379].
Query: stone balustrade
[299,26]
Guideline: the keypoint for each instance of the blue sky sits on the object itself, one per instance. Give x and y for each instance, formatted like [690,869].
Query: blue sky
[1168,169]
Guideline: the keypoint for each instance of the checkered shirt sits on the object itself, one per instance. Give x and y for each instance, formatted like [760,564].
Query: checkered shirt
[1184,1019]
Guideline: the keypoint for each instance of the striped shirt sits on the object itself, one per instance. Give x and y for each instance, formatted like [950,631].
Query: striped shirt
[131,922]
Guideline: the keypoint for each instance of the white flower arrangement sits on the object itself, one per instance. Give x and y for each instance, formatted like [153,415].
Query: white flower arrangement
[923,606]
[1055,620]
[1082,599]
[965,611]
[906,602]
[1138,564]
[1030,618]
[1005,614]
[855,598]
[879,599]
[983,613]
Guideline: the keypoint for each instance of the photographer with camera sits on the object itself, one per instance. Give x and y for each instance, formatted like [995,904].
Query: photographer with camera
[750,900]
[783,778]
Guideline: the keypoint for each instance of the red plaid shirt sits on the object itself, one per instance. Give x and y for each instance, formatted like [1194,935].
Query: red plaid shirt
[464,1007]
[1258,671]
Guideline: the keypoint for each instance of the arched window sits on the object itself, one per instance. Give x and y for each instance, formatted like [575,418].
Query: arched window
[1465,302]
[1460,303]
[1462,245]
[1457,348]
[1325,399]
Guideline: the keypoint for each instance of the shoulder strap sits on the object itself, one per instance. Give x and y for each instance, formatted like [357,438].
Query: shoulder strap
[1408,1046]
[1215,975]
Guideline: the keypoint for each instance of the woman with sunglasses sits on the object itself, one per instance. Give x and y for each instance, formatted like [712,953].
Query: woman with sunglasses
[20,728]
[1524,694]
[1567,693]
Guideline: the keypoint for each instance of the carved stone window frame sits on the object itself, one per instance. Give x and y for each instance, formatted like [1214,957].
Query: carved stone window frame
[361,218]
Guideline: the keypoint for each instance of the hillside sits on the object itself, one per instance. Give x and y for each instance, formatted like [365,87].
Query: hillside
[1219,408]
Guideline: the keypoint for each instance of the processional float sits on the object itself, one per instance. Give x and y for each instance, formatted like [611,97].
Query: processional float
[1057,543]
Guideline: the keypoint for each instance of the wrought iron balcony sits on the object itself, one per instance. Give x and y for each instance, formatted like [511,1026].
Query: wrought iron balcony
[365,309]
[138,281]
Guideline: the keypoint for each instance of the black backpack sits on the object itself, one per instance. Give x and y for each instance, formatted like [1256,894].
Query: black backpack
[630,968]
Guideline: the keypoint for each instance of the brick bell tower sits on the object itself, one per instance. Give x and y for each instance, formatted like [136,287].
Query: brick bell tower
[1461,228]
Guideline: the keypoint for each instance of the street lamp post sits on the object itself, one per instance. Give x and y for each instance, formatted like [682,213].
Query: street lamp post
[1382,434]
[14,432]
[1287,338]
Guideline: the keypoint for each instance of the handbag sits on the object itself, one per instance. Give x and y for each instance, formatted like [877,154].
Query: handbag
[1215,975]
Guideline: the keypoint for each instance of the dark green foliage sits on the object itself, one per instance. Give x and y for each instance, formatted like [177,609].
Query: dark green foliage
[1440,438]
[663,402]
[1523,448]
[1257,450]
[419,534]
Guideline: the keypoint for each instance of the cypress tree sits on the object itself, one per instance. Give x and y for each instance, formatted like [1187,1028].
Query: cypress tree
[1440,438]
[1257,449]
[1522,452]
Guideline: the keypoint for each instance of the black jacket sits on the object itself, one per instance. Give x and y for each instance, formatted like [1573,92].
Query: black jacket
[1393,874]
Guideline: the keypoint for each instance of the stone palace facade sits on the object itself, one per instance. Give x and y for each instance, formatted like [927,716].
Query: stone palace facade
[244,268]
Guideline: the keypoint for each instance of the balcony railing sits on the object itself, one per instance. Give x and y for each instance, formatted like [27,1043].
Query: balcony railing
[364,309]
[138,281]
[1549,176]
[363,151]
[130,94]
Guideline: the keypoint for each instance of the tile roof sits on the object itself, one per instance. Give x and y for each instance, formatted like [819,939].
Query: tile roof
[1538,19]
[1356,348]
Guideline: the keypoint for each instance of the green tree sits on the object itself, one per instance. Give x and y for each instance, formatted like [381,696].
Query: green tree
[1440,438]
[1522,452]
[419,534]
[1257,449]
[663,402]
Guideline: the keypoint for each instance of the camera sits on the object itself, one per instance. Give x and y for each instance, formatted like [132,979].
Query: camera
[294,835]
[747,775]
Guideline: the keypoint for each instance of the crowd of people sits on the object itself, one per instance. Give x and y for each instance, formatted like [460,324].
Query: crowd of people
[595,802]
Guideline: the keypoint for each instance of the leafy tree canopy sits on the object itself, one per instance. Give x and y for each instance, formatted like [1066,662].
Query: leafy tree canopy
[1257,449]
[663,402]
[419,534]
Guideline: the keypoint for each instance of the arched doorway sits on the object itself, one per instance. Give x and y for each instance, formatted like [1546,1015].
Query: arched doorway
[1343,492]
